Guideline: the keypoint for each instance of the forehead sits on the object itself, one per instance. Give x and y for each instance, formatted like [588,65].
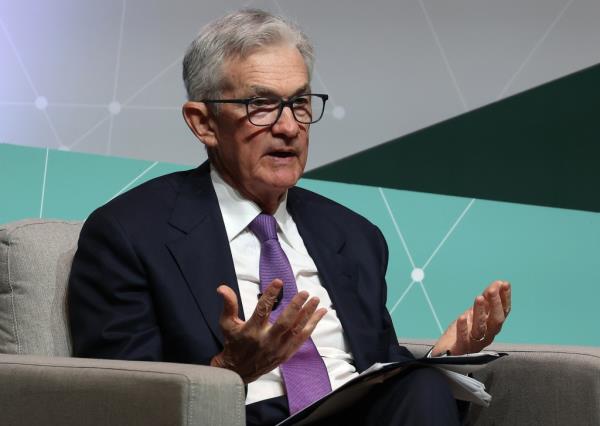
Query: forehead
[278,70]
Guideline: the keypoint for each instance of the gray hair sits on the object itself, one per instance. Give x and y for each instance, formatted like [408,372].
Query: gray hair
[236,35]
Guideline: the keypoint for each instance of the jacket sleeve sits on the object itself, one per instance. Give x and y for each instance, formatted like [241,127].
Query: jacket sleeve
[395,351]
[110,307]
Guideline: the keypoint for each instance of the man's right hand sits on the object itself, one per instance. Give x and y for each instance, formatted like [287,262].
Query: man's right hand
[255,347]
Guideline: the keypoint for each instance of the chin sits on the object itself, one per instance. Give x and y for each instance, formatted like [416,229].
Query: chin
[284,180]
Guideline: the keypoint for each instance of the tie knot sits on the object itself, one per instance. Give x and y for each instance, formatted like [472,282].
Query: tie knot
[264,227]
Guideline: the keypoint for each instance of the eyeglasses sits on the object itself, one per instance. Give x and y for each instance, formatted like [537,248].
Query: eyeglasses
[266,110]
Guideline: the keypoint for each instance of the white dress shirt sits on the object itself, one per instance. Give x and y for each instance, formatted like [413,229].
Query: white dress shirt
[328,336]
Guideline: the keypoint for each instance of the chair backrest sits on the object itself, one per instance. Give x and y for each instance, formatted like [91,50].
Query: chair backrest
[35,261]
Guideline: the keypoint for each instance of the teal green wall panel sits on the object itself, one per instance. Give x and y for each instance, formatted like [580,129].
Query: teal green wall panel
[550,255]
[75,183]
[78,183]
[21,179]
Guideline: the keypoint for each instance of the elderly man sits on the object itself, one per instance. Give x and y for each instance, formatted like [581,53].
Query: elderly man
[161,271]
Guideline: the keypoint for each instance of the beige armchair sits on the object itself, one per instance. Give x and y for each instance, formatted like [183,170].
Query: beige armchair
[41,384]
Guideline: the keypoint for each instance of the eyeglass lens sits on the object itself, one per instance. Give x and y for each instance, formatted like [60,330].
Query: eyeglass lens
[265,111]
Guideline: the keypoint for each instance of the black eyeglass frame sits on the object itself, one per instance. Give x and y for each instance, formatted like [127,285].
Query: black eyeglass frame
[282,104]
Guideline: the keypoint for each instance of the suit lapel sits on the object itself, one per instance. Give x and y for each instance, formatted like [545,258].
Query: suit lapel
[203,255]
[325,243]
[202,250]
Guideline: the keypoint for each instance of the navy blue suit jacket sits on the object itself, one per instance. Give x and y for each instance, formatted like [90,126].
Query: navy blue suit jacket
[144,278]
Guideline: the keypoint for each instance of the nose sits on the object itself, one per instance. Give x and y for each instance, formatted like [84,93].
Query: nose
[287,124]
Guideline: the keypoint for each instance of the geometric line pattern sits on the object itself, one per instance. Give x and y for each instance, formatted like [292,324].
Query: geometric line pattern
[450,231]
[461,96]
[133,181]
[43,196]
[127,45]
[533,50]
[29,80]
[398,231]
[114,107]
[418,274]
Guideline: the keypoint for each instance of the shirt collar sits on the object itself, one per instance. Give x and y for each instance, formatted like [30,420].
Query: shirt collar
[238,211]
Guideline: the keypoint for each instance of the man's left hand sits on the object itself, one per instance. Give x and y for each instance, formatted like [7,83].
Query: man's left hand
[477,326]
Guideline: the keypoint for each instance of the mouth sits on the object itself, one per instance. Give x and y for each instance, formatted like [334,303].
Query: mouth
[281,154]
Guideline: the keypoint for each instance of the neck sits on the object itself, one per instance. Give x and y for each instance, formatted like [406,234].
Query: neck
[268,201]
[269,207]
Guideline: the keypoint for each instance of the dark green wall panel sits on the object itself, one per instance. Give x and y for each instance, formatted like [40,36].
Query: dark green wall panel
[539,147]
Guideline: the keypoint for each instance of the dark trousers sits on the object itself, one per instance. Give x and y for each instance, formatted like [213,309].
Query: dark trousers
[419,397]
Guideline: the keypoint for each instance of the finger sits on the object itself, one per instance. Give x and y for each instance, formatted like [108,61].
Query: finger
[462,334]
[230,305]
[479,321]
[290,343]
[496,310]
[292,340]
[505,295]
[312,322]
[304,316]
[290,314]
[265,304]
[495,286]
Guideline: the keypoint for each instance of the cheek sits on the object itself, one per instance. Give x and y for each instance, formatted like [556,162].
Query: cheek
[244,155]
[304,156]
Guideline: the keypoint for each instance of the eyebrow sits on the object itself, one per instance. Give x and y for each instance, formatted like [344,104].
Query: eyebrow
[265,91]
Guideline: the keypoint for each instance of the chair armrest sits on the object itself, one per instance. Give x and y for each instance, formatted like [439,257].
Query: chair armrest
[73,391]
[536,384]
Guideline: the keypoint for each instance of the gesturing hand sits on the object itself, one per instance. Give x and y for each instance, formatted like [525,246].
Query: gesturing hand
[255,347]
[477,326]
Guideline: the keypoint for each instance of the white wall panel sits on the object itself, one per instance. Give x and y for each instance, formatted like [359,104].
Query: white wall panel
[391,67]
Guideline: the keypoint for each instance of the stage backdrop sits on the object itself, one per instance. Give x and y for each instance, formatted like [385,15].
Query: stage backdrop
[467,131]
[443,249]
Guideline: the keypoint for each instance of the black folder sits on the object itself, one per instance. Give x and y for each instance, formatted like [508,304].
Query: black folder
[455,367]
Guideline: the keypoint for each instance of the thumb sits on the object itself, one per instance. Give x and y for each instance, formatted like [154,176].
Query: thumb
[230,304]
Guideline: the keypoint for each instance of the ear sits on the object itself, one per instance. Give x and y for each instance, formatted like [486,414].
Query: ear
[201,122]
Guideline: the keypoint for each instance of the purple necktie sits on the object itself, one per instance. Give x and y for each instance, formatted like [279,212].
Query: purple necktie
[304,374]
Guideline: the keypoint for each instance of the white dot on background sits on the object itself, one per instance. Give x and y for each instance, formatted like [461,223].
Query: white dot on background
[114,107]
[41,102]
[64,148]
[417,274]
[339,112]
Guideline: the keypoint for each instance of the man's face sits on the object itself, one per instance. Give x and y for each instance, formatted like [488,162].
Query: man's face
[262,161]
